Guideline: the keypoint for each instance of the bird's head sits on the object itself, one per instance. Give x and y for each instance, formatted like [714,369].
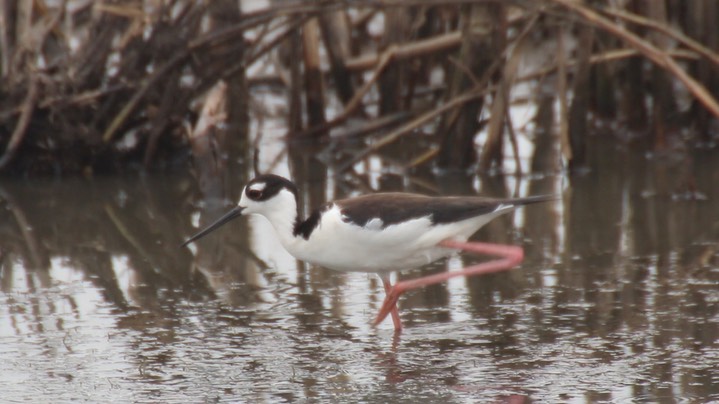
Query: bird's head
[267,195]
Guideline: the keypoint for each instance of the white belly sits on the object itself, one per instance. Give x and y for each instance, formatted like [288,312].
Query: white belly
[342,246]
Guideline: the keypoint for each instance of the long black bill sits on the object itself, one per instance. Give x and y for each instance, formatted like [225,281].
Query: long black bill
[235,212]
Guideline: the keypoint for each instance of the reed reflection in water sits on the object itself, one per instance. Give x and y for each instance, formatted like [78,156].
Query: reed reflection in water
[616,300]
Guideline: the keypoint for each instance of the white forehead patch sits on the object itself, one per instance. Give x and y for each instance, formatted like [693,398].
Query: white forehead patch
[258,186]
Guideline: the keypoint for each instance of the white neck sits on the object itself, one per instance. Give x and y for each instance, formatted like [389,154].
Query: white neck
[281,212]
[284,223]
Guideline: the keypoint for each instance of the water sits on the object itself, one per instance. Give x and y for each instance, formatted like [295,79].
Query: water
[617,300]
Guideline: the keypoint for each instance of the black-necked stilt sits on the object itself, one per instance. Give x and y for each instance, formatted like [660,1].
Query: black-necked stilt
[379,233]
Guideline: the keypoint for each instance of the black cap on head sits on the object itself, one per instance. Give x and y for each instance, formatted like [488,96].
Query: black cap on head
[265,186]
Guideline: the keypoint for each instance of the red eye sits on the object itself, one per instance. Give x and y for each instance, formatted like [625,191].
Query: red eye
[254,194]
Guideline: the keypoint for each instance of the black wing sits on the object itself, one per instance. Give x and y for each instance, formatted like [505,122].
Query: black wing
[393,208]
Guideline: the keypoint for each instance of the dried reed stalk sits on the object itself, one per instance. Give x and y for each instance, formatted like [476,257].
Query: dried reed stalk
[661,58]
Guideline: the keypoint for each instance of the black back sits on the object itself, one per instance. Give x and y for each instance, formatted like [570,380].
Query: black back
[394,208]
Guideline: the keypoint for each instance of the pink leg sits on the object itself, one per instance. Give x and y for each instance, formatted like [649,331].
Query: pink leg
[393,310]
[511,257]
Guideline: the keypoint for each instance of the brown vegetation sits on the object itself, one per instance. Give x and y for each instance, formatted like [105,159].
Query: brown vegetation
[100,86]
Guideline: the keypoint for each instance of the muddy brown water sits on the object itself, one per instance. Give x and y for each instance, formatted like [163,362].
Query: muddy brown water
[617,300]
